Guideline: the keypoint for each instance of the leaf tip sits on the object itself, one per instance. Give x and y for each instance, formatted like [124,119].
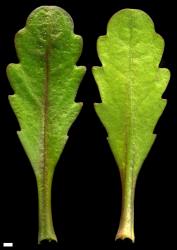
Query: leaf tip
[82,68]
[8,68]
[48,11]
[96,69]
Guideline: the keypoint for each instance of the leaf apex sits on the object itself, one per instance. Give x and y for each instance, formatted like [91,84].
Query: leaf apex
[83,68]
[8,67]
[95,68]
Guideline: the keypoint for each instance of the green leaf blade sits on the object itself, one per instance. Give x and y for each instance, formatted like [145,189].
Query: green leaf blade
[131,85]
[45,83]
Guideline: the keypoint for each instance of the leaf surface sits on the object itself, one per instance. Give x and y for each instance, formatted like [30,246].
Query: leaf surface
[45,83]
[131,85]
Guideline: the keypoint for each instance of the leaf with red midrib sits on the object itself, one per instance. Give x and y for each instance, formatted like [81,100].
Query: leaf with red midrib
[45,83]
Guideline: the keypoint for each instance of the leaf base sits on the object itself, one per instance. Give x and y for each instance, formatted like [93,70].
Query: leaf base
[124,233]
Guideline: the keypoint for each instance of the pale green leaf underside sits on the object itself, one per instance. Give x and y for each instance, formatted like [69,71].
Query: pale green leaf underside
[45,83]
[131,85]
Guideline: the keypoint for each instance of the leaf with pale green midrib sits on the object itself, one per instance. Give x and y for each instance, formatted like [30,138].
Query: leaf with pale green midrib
[45,83]
[131,85]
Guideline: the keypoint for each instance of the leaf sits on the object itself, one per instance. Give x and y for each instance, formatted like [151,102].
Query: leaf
[45,83]
[131,85]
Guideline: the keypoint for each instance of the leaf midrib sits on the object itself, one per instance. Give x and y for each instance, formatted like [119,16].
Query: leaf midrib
[130,85]
[128,174]
[45,118]
[46,103]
